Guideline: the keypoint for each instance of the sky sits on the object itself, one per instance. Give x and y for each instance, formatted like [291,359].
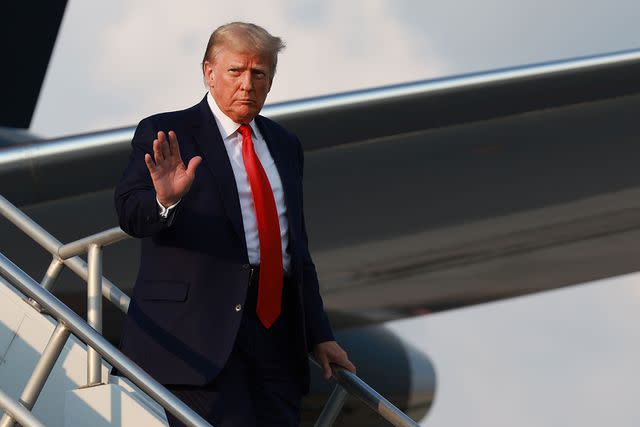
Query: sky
[567,357]
[119,61]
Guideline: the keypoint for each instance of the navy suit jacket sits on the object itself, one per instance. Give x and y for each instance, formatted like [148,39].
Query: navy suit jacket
[194,271]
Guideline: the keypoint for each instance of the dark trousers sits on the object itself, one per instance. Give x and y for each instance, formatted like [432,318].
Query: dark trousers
[260,385]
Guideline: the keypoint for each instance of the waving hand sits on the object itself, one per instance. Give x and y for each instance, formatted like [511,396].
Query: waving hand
[171,179]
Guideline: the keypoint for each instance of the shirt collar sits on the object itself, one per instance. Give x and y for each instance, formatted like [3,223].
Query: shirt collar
[227,126]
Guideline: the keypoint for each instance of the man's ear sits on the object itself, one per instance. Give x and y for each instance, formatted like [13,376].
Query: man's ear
[208,72]
[270,83]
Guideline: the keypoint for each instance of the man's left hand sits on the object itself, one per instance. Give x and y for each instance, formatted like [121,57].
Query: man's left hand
[330,352]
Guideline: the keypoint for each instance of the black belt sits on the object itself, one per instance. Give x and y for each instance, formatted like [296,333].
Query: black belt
[252,292]
[254,274]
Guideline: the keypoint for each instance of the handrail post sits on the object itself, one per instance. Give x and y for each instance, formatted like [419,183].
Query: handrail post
[49,279]
[41,372]
[333,407]
[52,273]
[94,311]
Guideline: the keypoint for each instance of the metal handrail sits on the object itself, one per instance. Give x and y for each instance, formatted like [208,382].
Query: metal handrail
[52,245]
[91,272]
[81,246]
[347,382]
[18,412]
[63,314]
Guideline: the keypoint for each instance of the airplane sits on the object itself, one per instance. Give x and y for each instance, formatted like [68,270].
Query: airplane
[452,192]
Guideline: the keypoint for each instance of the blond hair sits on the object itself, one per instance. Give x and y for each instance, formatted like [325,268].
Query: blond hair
[244,37]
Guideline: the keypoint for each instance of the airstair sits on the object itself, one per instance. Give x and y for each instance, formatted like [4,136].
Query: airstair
[54,365]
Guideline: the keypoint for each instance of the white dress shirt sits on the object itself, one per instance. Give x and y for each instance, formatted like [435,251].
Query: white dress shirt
[233,144]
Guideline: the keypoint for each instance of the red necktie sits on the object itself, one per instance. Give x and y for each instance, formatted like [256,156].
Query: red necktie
[271,274]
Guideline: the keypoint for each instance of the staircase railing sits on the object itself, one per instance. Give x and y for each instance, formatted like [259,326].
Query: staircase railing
[98,347]
[348,383]
[18,412]
[70,322]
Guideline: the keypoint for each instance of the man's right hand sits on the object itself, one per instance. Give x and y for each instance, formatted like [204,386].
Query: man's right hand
[171,179]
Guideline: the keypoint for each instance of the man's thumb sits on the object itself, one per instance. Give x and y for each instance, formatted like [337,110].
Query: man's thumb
[193,165]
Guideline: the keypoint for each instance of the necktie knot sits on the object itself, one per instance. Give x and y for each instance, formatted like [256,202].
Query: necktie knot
[245,131]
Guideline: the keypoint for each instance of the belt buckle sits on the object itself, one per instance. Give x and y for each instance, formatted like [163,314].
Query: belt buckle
[254,269]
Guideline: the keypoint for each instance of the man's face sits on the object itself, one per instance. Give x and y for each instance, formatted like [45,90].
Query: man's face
[239,83]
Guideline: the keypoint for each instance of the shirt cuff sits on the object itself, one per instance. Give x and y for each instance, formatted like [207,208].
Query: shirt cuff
[164,212]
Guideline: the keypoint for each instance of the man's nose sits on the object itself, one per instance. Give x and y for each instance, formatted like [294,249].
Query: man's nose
[247,82]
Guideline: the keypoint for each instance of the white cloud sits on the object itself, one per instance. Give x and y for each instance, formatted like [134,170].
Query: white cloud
[145,58]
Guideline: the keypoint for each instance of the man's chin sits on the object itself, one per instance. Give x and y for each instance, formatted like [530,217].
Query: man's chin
[245,115]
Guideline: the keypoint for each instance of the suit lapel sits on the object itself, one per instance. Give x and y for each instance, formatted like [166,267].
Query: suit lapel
[215,156]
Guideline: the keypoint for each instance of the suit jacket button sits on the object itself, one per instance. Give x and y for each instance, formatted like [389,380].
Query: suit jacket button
[238,307]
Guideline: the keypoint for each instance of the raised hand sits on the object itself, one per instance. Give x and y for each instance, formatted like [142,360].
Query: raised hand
[171,179]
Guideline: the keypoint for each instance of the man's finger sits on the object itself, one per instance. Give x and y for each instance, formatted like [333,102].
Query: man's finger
[327,371]
[342,359]
[346,363]
[157,153]
[326,368]
[164,145]
[150,165]
[161,136]
[173,145]
[350,366]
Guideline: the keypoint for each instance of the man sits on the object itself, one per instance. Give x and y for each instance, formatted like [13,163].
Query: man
[226,304]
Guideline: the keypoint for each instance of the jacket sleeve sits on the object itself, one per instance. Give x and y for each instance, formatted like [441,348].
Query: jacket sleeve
[135,196]
[318,328]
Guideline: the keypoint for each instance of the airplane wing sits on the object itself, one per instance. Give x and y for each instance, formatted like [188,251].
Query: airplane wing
[28,40]
[420,197]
